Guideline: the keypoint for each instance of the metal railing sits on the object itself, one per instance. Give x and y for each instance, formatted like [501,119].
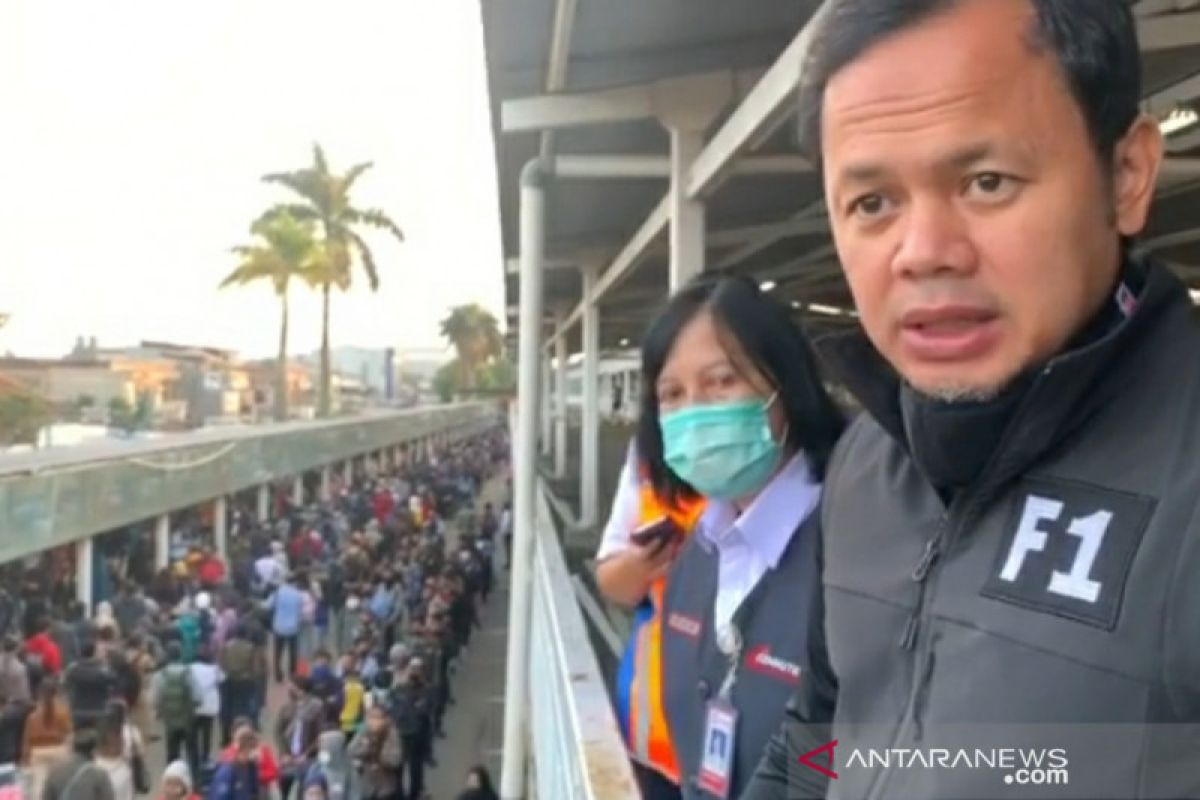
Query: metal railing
[576,748]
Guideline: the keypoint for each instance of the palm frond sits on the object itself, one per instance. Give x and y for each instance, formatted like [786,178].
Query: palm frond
[368,260]
[319,162]
[353,174]
[297,211]
[375,218]
[307,183]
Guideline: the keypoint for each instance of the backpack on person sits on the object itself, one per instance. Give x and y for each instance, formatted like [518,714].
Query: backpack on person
[176,703]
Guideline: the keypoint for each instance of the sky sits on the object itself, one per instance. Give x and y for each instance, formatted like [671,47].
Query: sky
[135,134]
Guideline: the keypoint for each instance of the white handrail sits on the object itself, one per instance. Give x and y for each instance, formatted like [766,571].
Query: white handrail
[576,748]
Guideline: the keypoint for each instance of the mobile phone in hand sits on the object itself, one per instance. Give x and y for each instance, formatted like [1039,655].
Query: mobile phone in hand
[660,532]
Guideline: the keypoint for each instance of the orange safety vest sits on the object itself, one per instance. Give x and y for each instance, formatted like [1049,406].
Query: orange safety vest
[646,731]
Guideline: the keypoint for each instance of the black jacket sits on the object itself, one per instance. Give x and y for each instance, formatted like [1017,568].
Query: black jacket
[1051,608]
[90,684]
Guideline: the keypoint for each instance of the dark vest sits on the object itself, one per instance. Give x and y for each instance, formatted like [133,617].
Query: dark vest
[773,622]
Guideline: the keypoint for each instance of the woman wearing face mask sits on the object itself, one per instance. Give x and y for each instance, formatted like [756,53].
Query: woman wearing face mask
[735,411]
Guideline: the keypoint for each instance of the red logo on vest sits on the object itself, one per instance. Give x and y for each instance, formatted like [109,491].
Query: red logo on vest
[760,660]
[826,750]
[686,625]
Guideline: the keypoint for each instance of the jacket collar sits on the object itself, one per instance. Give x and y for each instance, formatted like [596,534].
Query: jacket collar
[1065,393]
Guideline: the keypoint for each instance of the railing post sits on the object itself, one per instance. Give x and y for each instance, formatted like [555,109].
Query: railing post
[516,692]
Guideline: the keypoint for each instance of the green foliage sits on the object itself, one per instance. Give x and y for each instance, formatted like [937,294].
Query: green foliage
[21,418]
[494,378]
[129,419]
[445,381]
[475,335]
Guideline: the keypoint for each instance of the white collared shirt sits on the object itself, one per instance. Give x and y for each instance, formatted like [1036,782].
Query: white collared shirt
[752,543]
[626,509]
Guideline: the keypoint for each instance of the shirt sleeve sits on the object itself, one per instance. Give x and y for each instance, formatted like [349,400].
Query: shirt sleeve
[624,516]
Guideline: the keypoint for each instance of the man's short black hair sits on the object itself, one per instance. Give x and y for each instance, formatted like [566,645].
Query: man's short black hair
[1094,41]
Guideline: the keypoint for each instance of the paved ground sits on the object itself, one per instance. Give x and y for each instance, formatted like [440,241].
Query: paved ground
[475,723]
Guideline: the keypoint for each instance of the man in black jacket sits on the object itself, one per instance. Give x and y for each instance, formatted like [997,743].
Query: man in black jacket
[90,684]
[1009,595]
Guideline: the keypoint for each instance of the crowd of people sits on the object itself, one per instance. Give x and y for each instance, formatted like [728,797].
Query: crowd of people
[360,604]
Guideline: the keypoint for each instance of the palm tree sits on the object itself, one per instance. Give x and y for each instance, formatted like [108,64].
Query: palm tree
[327,202]
[475,335]
[288,249]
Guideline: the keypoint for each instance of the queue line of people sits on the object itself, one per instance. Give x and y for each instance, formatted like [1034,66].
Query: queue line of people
[361,606]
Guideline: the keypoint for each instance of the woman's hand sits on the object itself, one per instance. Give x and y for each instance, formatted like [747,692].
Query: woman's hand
[625,578]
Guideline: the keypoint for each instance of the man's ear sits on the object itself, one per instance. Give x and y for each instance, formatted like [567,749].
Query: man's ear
[1136,163]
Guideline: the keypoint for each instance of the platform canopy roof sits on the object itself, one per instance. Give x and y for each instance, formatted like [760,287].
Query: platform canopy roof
[592,77]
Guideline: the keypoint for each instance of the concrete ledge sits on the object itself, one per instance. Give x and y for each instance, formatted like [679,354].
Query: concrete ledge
[58,497]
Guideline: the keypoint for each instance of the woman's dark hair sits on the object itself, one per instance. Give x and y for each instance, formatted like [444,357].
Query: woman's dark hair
[1094,41]
[48,695]
[763,330]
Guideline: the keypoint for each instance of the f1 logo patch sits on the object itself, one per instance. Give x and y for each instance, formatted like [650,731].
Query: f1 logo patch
[1068,550]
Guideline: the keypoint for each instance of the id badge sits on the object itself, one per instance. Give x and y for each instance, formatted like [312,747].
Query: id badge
[716,765]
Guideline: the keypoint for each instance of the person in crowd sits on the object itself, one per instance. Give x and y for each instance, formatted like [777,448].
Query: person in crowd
[378,755]
[47,732]
[506,532]
[129,607]
[141,661]
[16,699]
[117,747]
[353,697]
[332,766]
[106,620]
[326,685]
[412,710]
[1010,526]
[89,685]
[246,739]
[78,777]
[287,620]
[479,785]
[298,727]
[735,412]
[243,665]
[42,651]
[176,696]
[207,677]
[239,775]
[177,783]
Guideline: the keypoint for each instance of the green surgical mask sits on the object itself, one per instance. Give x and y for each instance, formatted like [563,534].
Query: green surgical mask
[723,450]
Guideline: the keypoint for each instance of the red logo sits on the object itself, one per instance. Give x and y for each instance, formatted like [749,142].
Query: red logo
[760,660]
[686,625]
[809,759]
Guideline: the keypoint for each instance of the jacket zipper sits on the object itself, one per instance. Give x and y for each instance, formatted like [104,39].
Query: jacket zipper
[921,574]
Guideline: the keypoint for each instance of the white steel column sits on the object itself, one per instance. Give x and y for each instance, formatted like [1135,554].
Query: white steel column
[162,541]
[348,471]
[589,467]
[516,687]
[298,490]
[83,573]
[547,408]
[686,214]
[326,483]
[264,502]
[221,526]
[560,406]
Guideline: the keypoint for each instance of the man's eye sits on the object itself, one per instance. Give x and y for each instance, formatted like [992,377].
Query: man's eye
[869,205]
[992,186]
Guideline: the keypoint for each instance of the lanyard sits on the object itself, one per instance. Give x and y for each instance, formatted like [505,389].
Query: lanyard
[729,642]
